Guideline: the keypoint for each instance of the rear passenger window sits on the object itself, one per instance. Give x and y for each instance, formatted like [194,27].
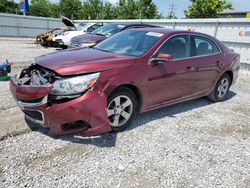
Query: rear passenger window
[204,46]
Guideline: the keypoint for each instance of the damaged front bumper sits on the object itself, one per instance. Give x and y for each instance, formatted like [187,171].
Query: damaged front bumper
[86,114]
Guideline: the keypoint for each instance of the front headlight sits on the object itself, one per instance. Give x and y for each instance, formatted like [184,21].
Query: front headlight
[73,86]
[66,33]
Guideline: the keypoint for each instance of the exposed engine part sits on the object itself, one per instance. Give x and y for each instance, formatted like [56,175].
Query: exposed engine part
[36,76]
[46,39]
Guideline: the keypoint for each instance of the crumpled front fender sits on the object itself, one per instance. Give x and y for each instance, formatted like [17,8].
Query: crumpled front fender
[97,103]
[90,108]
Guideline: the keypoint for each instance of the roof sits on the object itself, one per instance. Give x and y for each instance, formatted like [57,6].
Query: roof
[141,25]
[159,30]
[134,25]
[171,31]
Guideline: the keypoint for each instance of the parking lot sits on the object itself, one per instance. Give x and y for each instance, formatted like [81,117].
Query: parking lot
[192,144]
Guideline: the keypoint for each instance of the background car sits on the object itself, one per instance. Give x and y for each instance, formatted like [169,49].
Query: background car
[46,39]
[99,89]
[64,39]
[102,33]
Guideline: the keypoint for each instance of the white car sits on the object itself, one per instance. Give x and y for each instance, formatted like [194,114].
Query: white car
[64,39]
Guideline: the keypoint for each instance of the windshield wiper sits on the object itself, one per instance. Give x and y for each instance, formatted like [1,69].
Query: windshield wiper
[100,49]
[100,34]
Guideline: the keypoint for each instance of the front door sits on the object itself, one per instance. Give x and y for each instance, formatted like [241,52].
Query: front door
[168,81]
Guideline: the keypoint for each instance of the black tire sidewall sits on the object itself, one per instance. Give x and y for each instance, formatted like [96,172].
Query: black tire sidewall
[129,93]
[217,98]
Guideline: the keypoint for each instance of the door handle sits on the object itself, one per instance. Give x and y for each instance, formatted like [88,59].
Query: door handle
[191,69]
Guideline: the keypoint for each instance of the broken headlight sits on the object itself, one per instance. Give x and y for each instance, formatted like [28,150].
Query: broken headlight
[73,87]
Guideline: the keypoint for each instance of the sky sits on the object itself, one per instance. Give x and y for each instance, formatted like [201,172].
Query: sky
[181,5]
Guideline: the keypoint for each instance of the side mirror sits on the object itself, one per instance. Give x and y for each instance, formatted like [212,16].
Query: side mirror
[161,58]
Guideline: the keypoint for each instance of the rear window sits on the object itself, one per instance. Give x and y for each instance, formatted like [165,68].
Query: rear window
[108,30]
[204,46]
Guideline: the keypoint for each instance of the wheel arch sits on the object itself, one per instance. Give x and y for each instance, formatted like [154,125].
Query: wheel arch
[231,75]
[134,89]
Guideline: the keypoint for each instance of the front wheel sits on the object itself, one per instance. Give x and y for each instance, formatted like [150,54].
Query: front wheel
[121,108]
[221,89]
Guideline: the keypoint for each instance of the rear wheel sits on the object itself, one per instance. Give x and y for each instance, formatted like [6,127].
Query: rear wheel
[221,89]
[121,108]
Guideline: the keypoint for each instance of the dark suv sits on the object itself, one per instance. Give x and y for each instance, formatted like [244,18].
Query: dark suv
[100,34]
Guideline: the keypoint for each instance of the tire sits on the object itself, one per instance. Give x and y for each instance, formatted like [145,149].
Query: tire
[221,89]
[121,116]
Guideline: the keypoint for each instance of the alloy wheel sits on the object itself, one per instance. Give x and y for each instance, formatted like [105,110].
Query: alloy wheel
[119,110]
[223,88]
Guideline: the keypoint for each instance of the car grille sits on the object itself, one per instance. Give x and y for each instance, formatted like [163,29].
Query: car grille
[32,101]
[35,115]
[59,41]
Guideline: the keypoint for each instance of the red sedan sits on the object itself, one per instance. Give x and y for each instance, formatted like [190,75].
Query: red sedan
[99,89]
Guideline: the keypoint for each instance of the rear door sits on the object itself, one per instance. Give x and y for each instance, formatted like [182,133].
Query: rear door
[206,62]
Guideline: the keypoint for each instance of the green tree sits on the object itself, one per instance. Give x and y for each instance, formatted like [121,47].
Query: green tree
[92,9]
[7,6]
[207,8]
[70,8]
[147,9]
[40,8]
[136,9]
[127,9]
[159,16]
[54,10]
[108,11]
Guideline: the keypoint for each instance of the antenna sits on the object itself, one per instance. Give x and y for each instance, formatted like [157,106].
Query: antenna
[171,13]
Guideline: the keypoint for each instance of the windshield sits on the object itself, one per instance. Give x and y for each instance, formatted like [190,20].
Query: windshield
[131,42]
[108,30]
[82,26]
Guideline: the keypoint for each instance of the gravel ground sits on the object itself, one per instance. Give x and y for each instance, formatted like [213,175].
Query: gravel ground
[192,144]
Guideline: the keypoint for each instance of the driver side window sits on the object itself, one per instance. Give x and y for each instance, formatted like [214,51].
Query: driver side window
[177,47]
[92,28]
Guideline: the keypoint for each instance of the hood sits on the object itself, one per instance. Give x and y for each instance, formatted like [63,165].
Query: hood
[67,36]
[89,38]
[82,61]
[67,22]
[75,33]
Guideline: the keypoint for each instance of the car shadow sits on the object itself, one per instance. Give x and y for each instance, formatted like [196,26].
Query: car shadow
[109,139]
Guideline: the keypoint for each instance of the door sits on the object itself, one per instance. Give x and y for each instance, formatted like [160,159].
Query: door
[168,81]
[206,61]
